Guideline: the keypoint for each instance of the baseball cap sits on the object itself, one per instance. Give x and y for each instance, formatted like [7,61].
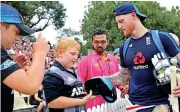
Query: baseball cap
[12,16]
[101,86]
[127,8]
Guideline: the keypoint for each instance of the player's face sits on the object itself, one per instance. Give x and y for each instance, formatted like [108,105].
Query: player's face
[125,24]
[9,34]
[99,43]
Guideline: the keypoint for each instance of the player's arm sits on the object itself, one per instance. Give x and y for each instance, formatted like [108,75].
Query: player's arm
[65,102]
[120,78]
[28,82]
[169,44]
[178,57]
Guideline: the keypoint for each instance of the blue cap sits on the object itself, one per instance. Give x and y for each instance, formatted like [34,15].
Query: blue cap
[116,51]
[127,8]
[12,16]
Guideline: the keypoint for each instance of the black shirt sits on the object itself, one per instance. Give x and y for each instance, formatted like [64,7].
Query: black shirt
[59,81]
[8,66]
[32,99]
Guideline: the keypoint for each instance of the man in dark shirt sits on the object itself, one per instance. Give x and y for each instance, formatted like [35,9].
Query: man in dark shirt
[12,76]
[136,66]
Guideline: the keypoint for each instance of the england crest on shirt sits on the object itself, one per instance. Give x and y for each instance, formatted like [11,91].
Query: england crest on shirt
[8,63]
[148,41]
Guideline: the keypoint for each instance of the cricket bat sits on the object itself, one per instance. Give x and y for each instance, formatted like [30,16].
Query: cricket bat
[174,79]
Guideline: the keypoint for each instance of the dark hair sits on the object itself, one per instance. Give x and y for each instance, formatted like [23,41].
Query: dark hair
[99,31]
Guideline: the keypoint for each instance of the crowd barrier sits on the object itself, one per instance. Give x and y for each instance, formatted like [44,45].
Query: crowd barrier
[118,106]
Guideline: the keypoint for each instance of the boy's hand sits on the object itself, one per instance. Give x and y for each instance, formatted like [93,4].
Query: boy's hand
[88,97]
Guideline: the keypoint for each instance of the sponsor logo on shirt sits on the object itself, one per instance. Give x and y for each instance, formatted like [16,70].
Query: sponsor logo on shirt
[139,59]
[130,45]
[77,91]
[140,67]
[8,63]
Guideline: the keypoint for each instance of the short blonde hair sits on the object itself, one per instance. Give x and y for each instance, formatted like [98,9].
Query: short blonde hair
[67,42]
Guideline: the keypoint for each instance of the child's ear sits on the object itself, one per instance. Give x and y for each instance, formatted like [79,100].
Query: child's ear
[58,53]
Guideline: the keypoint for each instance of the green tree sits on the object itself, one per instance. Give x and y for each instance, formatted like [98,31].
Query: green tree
[100,14]
[69,32]
[40,14]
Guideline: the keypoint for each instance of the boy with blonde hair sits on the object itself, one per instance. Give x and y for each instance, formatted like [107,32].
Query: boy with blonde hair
[62,87]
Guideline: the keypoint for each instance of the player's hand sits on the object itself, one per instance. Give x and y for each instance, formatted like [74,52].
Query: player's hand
[176,91]
[124,89]
[41,45]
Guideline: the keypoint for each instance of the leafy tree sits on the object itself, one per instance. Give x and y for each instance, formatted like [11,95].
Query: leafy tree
[40,14]
[69,32]
[100,14]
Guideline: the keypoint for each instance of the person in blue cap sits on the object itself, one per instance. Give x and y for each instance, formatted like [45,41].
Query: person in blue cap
[137,67]
[12,75]
[116,54]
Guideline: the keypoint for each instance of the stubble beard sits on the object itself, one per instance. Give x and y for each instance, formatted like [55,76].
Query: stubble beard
[99,51]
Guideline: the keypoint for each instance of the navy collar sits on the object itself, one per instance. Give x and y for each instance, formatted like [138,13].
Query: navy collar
[59,65]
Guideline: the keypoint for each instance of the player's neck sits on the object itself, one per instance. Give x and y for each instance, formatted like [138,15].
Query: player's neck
[139,31]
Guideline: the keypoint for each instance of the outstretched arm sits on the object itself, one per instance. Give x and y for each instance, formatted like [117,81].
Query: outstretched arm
[120,78]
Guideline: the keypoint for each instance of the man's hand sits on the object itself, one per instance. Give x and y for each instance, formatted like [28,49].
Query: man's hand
[176,91]
[124,89]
